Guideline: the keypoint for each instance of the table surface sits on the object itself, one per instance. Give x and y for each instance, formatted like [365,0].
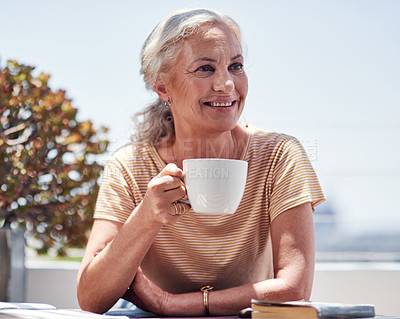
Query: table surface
[137,313]
[121,313]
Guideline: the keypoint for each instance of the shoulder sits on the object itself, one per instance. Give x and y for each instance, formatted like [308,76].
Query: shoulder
[130,151]
[130,155]
[266,141]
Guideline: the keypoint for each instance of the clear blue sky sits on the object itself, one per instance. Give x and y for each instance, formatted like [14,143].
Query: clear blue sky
[327,72]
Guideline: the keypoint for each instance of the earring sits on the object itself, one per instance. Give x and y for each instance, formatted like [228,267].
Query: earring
[167,103]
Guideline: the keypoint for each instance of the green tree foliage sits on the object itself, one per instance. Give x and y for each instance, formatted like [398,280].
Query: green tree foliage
[49,178]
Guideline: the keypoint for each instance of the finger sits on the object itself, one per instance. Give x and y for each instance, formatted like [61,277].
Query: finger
[171,169]
[177,193]
[167,182]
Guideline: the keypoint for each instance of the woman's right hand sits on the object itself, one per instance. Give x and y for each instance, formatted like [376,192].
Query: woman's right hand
[163,191]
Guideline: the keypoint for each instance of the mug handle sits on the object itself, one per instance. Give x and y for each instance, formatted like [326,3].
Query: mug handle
[185,201]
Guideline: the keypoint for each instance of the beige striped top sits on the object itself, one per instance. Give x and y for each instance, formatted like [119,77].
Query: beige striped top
[220,250]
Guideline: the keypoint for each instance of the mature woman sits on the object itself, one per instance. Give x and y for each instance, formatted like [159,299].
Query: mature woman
[154,251]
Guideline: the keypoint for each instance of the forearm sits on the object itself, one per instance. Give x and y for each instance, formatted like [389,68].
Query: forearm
[231,301]
[108,273]
[115,252]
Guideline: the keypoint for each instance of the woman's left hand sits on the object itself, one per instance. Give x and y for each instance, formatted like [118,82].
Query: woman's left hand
[147,295]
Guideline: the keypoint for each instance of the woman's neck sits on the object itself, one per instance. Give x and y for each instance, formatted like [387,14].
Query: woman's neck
[225,145]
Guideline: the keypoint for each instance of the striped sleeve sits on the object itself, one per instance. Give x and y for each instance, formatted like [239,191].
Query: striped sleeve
[115,200]
[294,179]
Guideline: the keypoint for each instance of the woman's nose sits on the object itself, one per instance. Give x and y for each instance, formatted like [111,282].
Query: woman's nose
[223,82]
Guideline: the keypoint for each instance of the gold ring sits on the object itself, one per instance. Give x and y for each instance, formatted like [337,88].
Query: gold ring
[176,209]
[183,208]
[179,209]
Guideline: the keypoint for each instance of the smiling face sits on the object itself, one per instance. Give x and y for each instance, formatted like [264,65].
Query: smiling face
[207,84]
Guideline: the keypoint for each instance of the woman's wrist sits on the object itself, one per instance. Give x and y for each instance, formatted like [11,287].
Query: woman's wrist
[143,213]
[165,303]
[186,304]
[171,303]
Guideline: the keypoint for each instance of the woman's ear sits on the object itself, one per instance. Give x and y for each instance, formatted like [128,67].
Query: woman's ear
[160,88]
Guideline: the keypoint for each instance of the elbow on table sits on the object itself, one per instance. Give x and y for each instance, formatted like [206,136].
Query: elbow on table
[89,302]
[299,292]
[87,305]
[84,302]
[298,289]
[289,292]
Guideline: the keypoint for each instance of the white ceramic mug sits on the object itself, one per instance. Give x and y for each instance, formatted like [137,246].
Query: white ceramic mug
[215,186]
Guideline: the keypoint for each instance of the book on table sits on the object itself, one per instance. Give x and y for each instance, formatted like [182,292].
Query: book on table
[310,309]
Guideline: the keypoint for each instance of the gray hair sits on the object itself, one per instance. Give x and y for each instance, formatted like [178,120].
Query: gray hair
[155,123]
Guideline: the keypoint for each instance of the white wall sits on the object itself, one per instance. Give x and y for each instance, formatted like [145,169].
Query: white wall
[376,283]
[52,282]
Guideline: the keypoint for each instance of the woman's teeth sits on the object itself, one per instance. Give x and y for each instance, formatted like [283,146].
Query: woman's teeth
[219,104]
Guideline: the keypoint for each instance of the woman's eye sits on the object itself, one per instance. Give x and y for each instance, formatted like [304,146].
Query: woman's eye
[236,67]
[205,68]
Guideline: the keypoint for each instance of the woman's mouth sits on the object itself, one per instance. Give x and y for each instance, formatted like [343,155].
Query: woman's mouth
[218,104]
